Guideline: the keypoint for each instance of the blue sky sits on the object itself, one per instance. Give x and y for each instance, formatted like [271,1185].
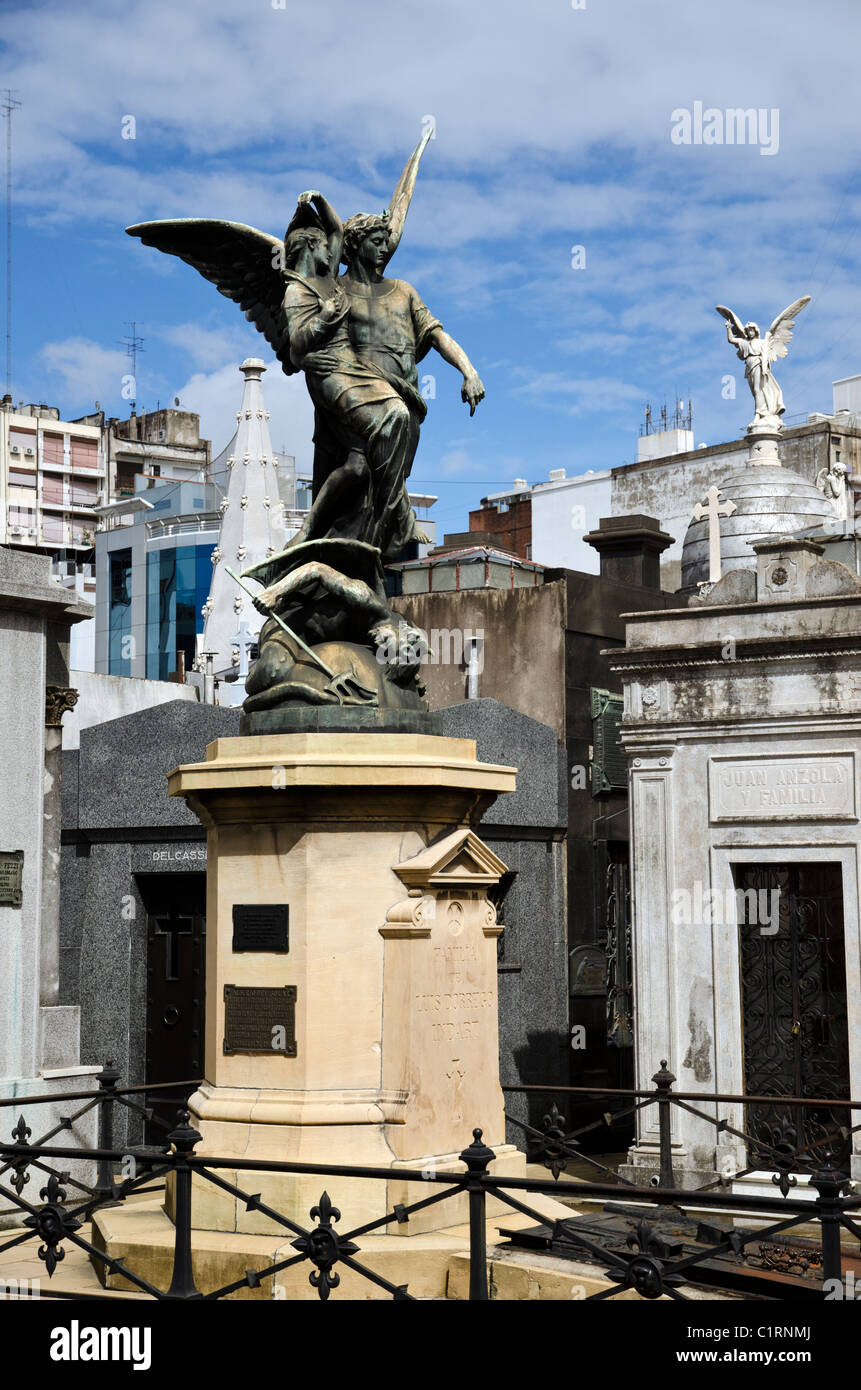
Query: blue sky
[553,130]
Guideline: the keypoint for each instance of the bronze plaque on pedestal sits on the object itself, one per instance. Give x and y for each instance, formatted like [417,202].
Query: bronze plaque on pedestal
[260,1020]
[261,927]
[11,872]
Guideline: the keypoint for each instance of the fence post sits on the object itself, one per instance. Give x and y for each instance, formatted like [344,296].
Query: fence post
[107,1079]
[663,1080]
[477,1157]
[829,1183]
[183,1139]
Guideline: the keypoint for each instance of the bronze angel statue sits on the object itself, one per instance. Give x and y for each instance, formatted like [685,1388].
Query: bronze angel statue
[757,353]
[358,338]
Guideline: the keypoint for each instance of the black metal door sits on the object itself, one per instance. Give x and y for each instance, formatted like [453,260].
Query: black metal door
[793,988]
[176,927]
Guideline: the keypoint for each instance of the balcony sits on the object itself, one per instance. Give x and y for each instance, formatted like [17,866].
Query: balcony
[181,526]
[71,537]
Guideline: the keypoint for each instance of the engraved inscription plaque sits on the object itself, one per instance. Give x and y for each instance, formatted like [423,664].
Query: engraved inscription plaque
[261,927]
[260,1020]
[810,786]
[11,871]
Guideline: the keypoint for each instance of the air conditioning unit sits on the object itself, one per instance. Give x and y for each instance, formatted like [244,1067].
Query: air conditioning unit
[14,449]
[29,451]
[15,530]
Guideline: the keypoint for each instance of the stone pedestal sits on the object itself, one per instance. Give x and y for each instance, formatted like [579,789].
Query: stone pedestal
[385,1049]
[763,440]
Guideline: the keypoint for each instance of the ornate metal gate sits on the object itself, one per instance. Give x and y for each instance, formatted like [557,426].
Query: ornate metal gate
[793,990]
[617,946]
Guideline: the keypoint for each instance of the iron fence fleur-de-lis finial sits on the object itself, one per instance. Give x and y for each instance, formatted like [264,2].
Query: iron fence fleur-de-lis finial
[324,1247]
[556,1146]
[52,1224]
[784,1142]
[20,1134]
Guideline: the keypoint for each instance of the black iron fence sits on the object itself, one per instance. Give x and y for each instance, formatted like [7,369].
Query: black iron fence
[642,1258]
[787,1135]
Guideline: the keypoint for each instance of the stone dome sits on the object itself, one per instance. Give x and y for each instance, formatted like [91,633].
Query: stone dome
[770,501]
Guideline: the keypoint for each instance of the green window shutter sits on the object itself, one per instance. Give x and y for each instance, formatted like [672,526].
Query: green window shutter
[609,764]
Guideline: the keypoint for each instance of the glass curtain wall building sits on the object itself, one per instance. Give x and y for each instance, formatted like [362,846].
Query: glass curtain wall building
[153,573]
[177,584]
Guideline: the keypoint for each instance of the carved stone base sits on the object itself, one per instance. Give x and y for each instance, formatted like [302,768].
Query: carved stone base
[762,441]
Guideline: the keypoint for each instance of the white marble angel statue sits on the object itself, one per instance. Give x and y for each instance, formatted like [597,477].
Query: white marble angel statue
[758,352]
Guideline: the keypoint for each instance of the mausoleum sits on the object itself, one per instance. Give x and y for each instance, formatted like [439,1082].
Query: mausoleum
[742,724]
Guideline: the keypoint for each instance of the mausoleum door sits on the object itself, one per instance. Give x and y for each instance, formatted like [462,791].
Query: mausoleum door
[176,924]
[793,990]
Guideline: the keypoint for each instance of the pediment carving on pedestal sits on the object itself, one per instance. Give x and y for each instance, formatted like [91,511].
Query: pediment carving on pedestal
[459,858]
[443,877]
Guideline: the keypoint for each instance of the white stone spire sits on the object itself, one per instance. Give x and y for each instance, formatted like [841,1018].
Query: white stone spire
[251,524]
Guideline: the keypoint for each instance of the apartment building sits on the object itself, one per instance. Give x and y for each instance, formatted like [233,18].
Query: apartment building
[52,472]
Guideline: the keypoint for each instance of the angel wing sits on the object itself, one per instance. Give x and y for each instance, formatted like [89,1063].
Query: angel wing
[242,263]
[402,196]
[779,334]
[731,318]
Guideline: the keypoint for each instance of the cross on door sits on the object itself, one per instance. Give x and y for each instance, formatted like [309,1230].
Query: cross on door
[714,509]
[172,927]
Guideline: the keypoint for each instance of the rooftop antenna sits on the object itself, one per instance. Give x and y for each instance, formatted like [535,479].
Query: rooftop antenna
[9,103]
[683,414]
[133,344]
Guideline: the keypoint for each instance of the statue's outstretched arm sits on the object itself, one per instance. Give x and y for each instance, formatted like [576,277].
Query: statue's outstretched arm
[402,196]
[473,390]
[330,222]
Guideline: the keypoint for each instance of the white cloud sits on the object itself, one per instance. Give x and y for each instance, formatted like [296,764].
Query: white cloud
[607,394]
[216,395]
[553,128]
[209,347]
[524,96]
[88,371]
[456,461]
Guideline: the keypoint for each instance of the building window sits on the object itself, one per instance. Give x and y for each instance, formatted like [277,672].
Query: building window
[83,492]
[53,448]
[22,442]
[22,477]
[178,583]
[119,613]
[83,453]
[52,489]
